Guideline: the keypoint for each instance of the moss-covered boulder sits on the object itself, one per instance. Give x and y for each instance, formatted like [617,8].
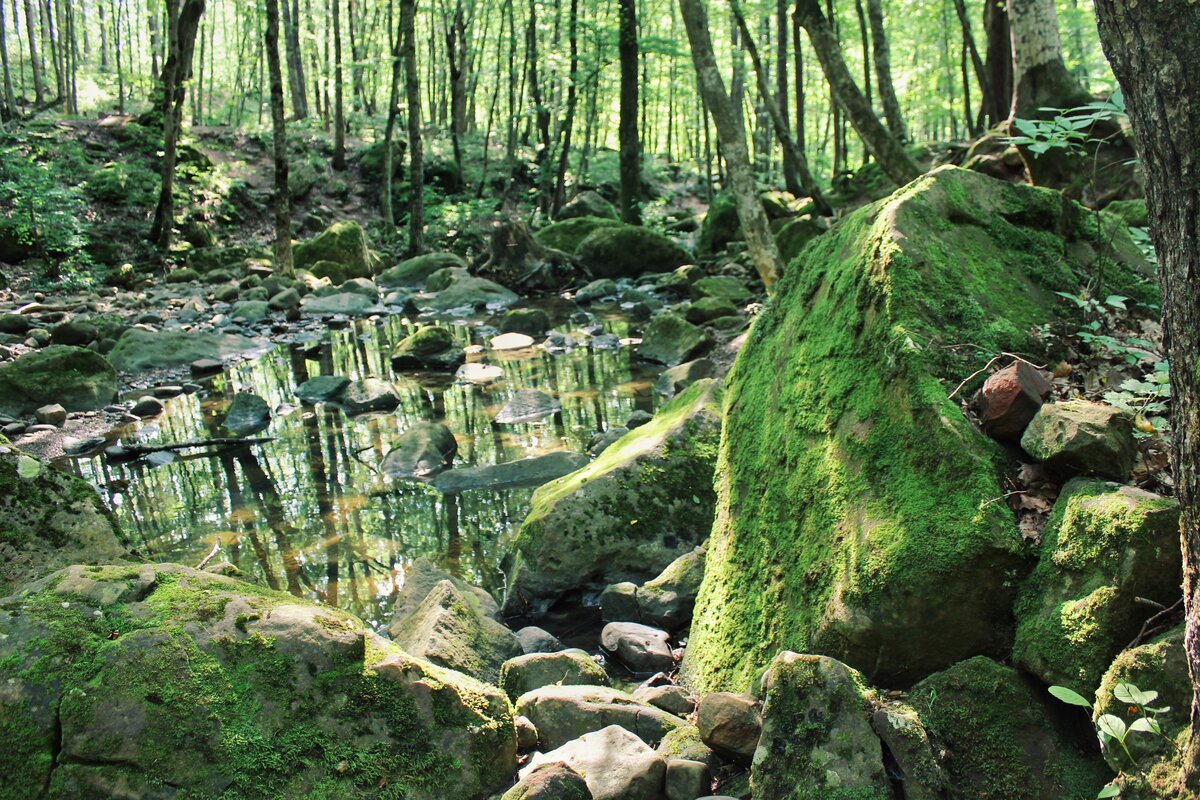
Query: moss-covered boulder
[588,203]
[158,680]
[370,162]
[139,349]
[343,243]
[671,340]
[534,670]
[566,235]
[49,519]
[415,271]
[431,347]
[1133,212]
[646,500]
[721,225]
[454,288]
[1105,546]
[627,251]
[1003,737]
[73,377]
[854,516]
[794,235]
[817,741]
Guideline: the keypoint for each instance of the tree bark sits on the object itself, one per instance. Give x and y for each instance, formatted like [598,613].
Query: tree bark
[1040,78]
[761,244]
[39,92]
[10,101]
[339,109]
[960,9]
[291,34]
[886,148]
[389,167]
[281,200]
[883,71]
[416,164]
[564,152]
[1151,52]
[627,130]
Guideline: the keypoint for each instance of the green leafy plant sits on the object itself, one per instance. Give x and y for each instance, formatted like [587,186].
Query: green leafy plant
[1069,129]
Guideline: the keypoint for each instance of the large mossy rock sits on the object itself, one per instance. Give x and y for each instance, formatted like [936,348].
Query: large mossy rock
[49,519]
[1106,545]
[415,271]
[1003,737]
[73,377]
[646,500]
[588,204]
[139,349]
[627,251]
[454,288]
[721,225]
[853,514]
[342,243]
[156,681]
[566,235]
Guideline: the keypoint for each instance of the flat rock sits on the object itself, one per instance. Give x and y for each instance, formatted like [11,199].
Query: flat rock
[424,449]
[527,405]
[322,389]
[532,471]
[534,670]
[639,647]
[563,713]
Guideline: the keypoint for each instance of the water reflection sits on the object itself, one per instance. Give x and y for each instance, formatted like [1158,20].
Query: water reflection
[310,512]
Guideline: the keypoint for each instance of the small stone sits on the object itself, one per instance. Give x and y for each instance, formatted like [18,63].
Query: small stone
[53,414]
[615,763]
[535,640]
[511,341]
[527,734]
[204,367]
[638,418]
[639,647]
[686,780]
[479,374]
[730,724]
[673,699]
[168,390]
[1009,399]
[147,407]
[248,413]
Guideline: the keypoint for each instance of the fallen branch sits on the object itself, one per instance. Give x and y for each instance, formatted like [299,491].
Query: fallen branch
[132,451]
[216,548]
[1162,621]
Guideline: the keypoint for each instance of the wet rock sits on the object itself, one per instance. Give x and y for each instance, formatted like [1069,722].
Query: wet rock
[603,440]
[1009,399]
[596,290]
[455,288]
[205,676]
[707,309]
[721,287]
[644,502]
[511,341]
[453,629]
[322,389]
[535,640]
[530,321]
[563,713]
[686,780]
[670,339]
[369,394]
[250,310]
[666,602]
[342,243]
[527,405]
[534,670]
[138,350]
[1106,547]
[551,780]
[415,271]
[615,763]
[675,379]
[248,413]
[639,647]
[348,303]
[51,414]
[431,347]
[422,450]
[479,374]
[673,699]
[75,333]
[588,204]
[531,471]
[75,378]
[629,251]
[1077,437]
[285,300]
[730,724]
[816,731]
[147,406]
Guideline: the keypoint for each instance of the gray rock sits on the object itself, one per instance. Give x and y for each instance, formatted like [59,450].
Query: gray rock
[639,647]
[534,670]
[247,413]
[52,414]
[673,699]
[686,780]
[250,310]
[455,288]
[424,449]
[527,405]
[552,780]
[369,394]
[596,290]
[421,577]
[527,735]
[665,602]
[532,471]
[670,339]
[138,350]
[615,763]
[348,303]
[535,640]
[603,440]
[563,713]
[285,299]
[685,742]
[1077,437]
[75,378]
[431,347]
[415,271]
[530,321]
[360,286]
[730,724]
[147,406]
[322,389]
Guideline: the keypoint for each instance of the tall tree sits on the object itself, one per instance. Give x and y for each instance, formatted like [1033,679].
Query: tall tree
[339,111]
[1151,54]
[886,148]
[281,201]
[183,20]
[412,95]
[883,71]
[627,130]
[1040,78]
[35,63]
[291,33]
[10,101]
[732,135]
[389,135]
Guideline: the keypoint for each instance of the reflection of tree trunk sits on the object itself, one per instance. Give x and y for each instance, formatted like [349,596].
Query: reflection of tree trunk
[237,503]
[453,539]
[267,495]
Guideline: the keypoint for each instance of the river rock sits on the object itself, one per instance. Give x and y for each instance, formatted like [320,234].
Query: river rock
[247,413]
[1106,546]
[421,577]
[550,780]
[531,471]
[347,303]
[369,394]
[666,602]
[536,640]
[75,378]
[675,700]
[342,243]
[529,321]
[675,379]
[208,683]
[1077,437]
[816,731]
[671,340]
[596,290]
[627,251]
[730,724]
[1009,399]
[250,311]
[686,780]
[644,502]
[916,765]
[76,333]
[563,713]
[685,742]
[527,405]
[534,670]
[147,406]
[51,414]
[455,288]
[707,309]
[615,763]
[322,389]
[422,450]
[415,271]
[285,299]
[138,349]
[431,347]
[721,287]
[363,286]
[639,647]
[511,341]
[479,374]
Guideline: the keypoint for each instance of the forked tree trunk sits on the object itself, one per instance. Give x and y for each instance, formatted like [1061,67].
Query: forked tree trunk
[416,163]
[761,244]
[627,129]
[281,201]
[886,148]
[1152,55]
[1040,78]
[883,71]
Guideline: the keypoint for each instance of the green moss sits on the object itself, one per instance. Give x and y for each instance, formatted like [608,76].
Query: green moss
[569,233]
[853,515]
[721,225]
[343,243]
[74,377]
[629,251]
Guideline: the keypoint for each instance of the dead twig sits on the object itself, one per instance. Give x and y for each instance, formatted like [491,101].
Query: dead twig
[216,548]
[988,366]
[1158,623]
[132,451]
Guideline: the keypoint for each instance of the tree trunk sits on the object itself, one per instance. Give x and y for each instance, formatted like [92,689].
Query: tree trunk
[389,167]
[10,102]
[999,62]
[886,148]
[1040,78]
[761,244]
[281,200]
[339,110]
[291,35]
[627,130]
[564,152]
[798,58]
[1151,52]
[412,92]
[39,92]
[791,179]
[808,183]
[183,22]
[155,39]
[883,71]
[960,8]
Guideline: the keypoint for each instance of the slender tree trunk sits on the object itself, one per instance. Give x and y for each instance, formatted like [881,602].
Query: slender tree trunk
[627,130]
[456,47]
[791,179]
[117,56]
[999,62]
[389,167]
[886,148]
[339,113]
[155,39]
[10,101]
[412,91]
[1040,78]
[572,101]
[183,21]
[798,57]
[281,200]
[1152,55]
[883,71]
[960,9]
[294,62]
[39,92]
[808,183]
[763,250]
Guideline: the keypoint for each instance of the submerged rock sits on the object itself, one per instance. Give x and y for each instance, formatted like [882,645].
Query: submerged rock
[73,377]
[424,449]
[532,471]
[201,681]
[854,516]
[369,394]
[247,413]
[322,389]
[431,347]
[628,514]
[527,405]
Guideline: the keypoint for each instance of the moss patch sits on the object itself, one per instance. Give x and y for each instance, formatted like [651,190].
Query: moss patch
[74,377]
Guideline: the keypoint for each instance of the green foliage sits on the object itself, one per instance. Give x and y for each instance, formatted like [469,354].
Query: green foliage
[1069,128]
[128,183]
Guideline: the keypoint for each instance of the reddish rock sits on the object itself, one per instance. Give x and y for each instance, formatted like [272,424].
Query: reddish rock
[1009,399]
